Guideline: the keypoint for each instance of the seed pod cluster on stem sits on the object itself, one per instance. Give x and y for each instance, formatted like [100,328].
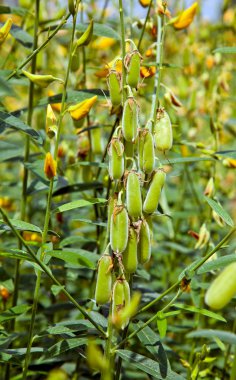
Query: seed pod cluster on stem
[136,185]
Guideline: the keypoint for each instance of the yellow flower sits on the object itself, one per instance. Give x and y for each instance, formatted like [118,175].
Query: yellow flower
[80,110]
[55,106]
[145,3]
[102,43]
[186,17]
[50,166]
[4,31]
[230,163]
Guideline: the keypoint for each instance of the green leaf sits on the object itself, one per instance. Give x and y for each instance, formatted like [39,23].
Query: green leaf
[226,50]
[9,151]
[76,257]
[218,263]
[70,240]
[64,346]
[5,88]
[72,96]
[12,122]
[81,186]
[20,225]
[79,203]
[194,309]
[185,160]
[147,365]
[161,324]
[228,153]
[100,30]
[13,312]
[56,289]
[22,36]
[15,254]
[88,221]
[13,10]
[220,211]
[224,336]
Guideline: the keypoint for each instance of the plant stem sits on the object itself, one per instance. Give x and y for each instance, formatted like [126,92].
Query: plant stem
[144,25]
[197,265]
[122,27]
[159,67]
[150,320]
[48,272]
[36,51]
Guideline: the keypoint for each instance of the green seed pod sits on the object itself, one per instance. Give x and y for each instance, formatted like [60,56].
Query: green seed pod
[154,192]
[146,151]
[114,81]
[119,229]
[120,299]
[132,63]
[116,158]
[112,202]
[130,119]
[130,254]
[133,195]
[96,140]
[222,289]
[144,244]
[163,131]
[104,280]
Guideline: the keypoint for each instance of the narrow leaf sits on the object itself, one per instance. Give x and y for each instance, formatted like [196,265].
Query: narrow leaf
[20,225]
[220,211]
[147,365]
[9,121]
[79,203]
[13,312]
[219,263]
[205,312]
[224,336]
[226,50]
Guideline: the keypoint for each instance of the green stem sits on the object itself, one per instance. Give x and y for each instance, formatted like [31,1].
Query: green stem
[49,273]
[197,265]
[144,25]
[36,51]
[159,67]
[150,320]
[122,27]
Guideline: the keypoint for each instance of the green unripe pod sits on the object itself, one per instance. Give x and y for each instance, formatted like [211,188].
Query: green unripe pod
[144,244]
[120,298]
[104,280]
[133,195]
[119,229]
[130,120]
[154,192]
[222,289]
[112,202]
[132,63]
[114,86]
[129,152]
[116,158]
[130,254]
[96,140]
[163,131]
[146,152]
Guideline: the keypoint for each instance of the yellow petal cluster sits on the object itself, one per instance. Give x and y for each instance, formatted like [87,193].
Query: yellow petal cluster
[186,17]
[80,110]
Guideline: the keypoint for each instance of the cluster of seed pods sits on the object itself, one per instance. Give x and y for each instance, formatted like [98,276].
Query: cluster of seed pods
[137,184]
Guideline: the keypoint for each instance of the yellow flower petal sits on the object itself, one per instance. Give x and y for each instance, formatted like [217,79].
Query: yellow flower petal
[102,43]
[4,31]
[145,3]
[186,17]
[80,110]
